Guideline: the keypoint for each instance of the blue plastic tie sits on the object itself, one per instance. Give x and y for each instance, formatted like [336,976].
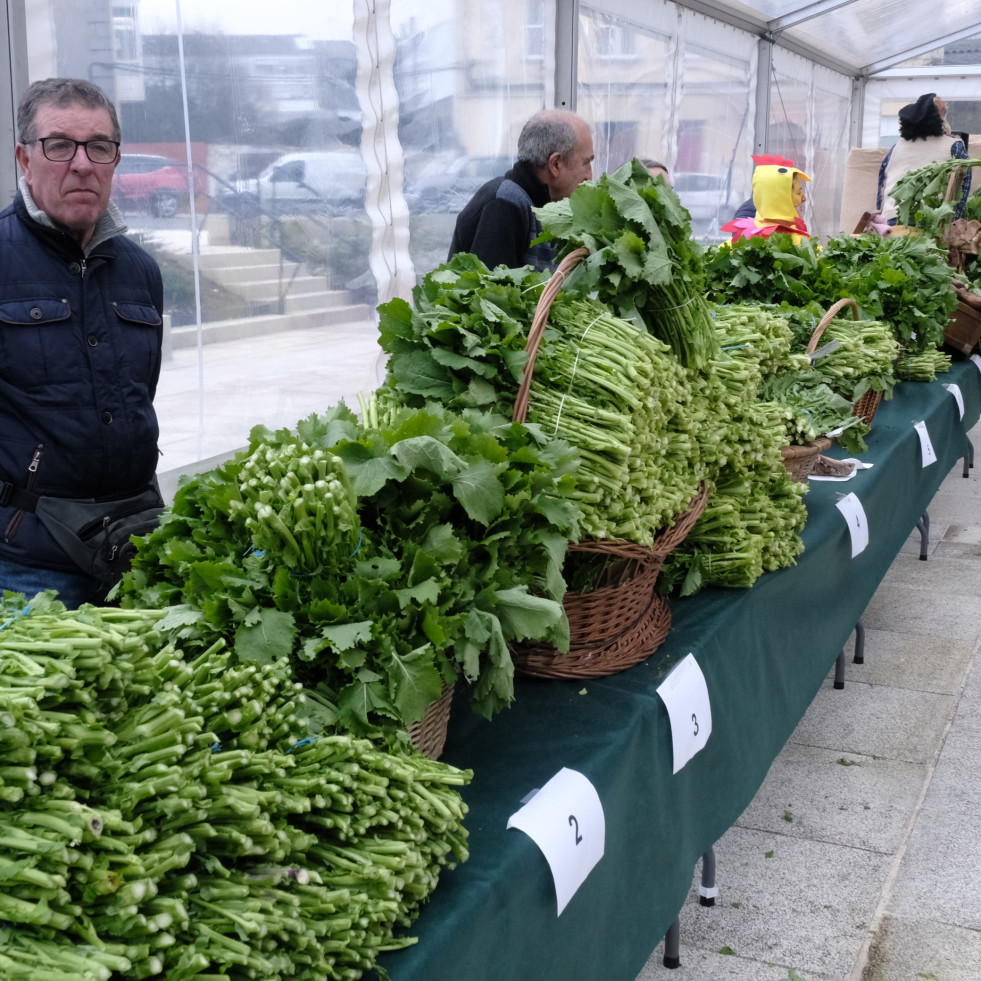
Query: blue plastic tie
[358,549]
[216,747]
[16,616]
[303,742]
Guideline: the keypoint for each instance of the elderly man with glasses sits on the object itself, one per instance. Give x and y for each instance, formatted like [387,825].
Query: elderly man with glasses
[81,315]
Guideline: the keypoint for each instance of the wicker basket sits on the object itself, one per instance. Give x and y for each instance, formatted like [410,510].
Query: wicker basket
[621,622]
[800,460]
[428,735]
[867,405]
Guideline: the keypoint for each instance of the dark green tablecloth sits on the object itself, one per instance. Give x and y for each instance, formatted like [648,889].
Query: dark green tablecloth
[764,653]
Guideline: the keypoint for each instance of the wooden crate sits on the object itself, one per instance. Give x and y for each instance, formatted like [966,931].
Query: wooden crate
[964,330]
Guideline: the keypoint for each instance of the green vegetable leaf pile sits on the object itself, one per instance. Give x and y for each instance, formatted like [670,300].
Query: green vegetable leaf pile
[432,540]
[755,512]
[903,280]
[599,383]
[642,263]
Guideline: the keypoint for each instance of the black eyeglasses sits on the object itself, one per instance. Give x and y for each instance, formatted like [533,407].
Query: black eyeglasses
[60,148]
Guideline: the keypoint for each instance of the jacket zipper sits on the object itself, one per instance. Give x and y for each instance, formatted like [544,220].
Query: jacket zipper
[18,516]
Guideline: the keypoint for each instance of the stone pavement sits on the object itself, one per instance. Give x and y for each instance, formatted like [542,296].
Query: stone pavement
[860,856]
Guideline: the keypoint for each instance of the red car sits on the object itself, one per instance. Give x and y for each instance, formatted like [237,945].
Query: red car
[146,182]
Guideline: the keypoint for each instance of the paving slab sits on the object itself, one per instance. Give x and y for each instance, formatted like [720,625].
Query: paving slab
[871,720]
[939,875]
[786,902]
[940,614]
[842,798]
[910,949]
[915,661]
[956,575]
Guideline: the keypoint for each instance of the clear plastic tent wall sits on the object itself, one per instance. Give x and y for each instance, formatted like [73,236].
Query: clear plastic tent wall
[294,165]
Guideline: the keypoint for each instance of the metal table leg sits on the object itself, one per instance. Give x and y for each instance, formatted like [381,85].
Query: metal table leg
[708,890]
[923,527]
[859,643]
[672,946]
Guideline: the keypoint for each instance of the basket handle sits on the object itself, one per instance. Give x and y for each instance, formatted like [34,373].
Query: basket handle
[827,318]
[537,329]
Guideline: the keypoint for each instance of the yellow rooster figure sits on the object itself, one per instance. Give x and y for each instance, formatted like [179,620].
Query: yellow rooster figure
[778,191]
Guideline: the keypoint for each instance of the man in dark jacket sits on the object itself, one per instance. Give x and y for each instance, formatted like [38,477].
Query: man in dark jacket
[80,336]
[555,155]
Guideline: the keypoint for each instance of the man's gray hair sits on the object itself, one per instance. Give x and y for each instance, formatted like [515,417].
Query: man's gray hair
[61,92]
[547,132]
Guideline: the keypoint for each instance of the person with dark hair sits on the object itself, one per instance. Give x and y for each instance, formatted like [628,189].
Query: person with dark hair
[656,168]
[498,225]
[925,137]
[81,321]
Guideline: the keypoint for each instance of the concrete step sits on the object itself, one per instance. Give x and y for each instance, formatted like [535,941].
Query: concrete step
[219,256]
[217,331]
[232,276]
[265,290]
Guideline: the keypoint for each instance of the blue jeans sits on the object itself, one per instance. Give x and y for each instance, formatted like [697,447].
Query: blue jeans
[73,588]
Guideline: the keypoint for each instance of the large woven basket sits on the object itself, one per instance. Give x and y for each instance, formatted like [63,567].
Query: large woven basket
[866,406]
[428,735]
[621,622]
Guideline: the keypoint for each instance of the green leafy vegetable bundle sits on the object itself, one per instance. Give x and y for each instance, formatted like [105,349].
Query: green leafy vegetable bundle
[171,819]
[642,263]
[436,540]
[611,390]
[858,355]
[755,512]
[920,196]
[807,406]
[903,280]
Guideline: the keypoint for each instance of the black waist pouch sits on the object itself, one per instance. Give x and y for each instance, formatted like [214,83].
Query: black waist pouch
[96,534]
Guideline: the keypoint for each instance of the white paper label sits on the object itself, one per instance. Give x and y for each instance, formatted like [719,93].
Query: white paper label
[926,447]
[685,696]
[955,390]
[851,508]
[565,819]
[977,361]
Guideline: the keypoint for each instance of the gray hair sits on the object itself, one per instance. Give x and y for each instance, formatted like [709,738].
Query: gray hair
[61,92]
[547,132]
[652,164]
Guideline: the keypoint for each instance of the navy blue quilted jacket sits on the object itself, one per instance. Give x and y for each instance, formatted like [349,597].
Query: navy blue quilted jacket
[80,351]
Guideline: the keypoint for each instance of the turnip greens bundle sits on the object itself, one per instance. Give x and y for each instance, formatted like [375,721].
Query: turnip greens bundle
[380,559]
[165,818]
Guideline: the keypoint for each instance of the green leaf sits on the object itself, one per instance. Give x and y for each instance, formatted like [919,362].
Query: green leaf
[344,636]
[526,617]
[415,683]
[478,488]
[266,636]
[427,453]
[424,592]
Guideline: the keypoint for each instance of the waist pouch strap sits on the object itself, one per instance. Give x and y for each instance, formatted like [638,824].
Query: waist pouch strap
[17,497]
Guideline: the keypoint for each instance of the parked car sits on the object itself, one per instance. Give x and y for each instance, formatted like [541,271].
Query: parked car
[147,182]
[449,188]
[709,199]
[331,181]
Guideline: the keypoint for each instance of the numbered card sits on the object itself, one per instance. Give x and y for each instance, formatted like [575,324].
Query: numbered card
[955,390]
[565,819]
[685,696]
[977,361]
[927,451]
[851,508]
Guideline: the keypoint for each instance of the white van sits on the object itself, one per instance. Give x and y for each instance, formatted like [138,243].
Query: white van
[330,181]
